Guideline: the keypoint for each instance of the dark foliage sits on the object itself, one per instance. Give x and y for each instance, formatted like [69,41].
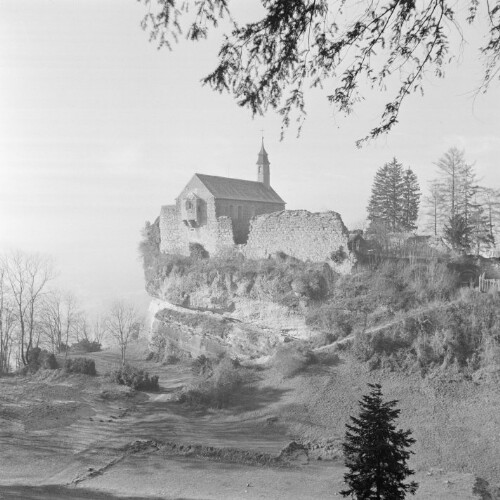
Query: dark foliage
[376,454]
[85,345]
[40,359]
[376,295]
[458,233]
[197,251]
[85,366]
[463,334]
[138,379]
[292,359]
[219,382]
[339,255]
[395,198]
[203,366]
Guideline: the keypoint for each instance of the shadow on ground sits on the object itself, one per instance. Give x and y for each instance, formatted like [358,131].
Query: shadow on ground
[56,492]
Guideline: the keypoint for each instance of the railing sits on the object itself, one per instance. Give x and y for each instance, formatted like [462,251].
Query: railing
[485,285]
[411,254]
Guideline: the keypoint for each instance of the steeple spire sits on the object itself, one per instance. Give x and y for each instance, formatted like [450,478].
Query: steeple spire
[263,172]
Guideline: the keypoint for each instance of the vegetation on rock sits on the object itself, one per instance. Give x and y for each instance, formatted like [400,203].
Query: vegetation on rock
[282,280]
[462,334]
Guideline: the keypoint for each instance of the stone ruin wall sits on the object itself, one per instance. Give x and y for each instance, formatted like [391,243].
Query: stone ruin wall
[175,236]
[298,233]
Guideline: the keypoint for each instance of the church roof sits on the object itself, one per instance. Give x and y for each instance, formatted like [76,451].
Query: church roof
[238,189]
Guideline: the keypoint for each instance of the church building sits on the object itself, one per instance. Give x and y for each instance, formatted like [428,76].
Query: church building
[216,211]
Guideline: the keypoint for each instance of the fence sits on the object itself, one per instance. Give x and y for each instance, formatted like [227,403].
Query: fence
[485,285]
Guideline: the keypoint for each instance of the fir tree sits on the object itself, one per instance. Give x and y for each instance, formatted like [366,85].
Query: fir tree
[411,200]
[481,235]
[376,454]
[458,233]
[395,198]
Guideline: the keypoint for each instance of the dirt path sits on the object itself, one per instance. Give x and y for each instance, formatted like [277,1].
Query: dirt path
[43,442]
[70,438]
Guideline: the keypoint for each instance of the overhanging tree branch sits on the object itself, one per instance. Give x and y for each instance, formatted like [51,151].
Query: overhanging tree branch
[296,44]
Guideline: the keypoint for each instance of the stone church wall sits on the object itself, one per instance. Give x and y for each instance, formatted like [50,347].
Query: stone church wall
[298,233]
[171,237]
[241,213]
[175,237]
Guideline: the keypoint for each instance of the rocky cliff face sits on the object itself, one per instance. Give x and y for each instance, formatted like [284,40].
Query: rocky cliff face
[243,307]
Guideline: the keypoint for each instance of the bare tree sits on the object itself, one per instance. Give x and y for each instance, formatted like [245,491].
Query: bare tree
[83,329]
[434,205]
[451,167]
[27,276]
[99,329]
[59,319]
[90,330]
[490,199]
[123,323]
[7,323]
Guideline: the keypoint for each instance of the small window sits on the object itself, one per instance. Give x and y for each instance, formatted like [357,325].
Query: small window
[189,205]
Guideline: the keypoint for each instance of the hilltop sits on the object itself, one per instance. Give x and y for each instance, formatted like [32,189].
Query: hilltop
[405,322]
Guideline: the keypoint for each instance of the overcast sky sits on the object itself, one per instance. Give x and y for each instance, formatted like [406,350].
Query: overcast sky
[98,129]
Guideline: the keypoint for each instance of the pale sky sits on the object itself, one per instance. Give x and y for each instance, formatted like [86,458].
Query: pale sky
[98,129]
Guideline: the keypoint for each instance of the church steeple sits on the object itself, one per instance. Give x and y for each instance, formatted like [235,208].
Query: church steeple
[263,172]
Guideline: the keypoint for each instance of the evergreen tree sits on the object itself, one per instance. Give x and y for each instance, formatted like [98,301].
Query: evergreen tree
[395,198]
[480,235]
[376,454]
[458,233]
[411,200]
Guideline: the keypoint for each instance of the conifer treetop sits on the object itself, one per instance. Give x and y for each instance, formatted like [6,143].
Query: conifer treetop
[376,453]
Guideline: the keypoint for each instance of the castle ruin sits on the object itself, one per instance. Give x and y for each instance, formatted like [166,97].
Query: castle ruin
[221,212]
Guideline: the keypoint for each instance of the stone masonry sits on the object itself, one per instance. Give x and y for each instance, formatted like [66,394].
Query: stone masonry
[298,233]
